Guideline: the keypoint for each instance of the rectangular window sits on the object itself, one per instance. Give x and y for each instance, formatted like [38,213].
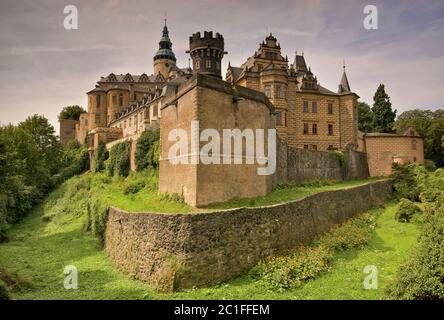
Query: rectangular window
[98,101]
[267,90]
[129,122]
[305,128]
[314,147]
[97,118]
[314,128]
[121,100]
[208,63]
[330,129]
[305,106]
[330,108]
[413,144]
[305,146]
[114,99]
[279,118]
[330,147]
[314,107]
[278,92]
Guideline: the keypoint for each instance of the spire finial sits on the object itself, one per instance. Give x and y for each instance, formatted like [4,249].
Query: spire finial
[165,18]
[343,64]
[302,52]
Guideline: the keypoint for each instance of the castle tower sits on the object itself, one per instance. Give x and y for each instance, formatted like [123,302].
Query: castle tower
[164,58]
[207,53]
[97,108]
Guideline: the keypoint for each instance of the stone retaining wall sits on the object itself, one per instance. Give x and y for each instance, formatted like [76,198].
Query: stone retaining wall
[176,251]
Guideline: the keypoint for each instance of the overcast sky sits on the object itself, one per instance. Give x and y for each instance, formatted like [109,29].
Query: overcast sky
[44,67]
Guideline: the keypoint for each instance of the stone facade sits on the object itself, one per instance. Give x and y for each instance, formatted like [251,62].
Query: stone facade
[67,130]
[214,104]
[384,149]
[177,251]
[308,115]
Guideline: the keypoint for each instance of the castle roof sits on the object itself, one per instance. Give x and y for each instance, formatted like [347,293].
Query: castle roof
[165,46]
[132,78]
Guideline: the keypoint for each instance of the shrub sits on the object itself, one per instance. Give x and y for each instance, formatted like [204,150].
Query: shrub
[429,165]
[134,187]
[354,233]
[119,159]
[408,180]
[281,273]
[421,276]
[147,150]
[406,210]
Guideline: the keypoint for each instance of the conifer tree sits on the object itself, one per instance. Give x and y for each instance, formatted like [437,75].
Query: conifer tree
[383,115]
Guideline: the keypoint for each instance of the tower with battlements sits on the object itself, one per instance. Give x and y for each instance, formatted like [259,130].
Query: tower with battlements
[207,53]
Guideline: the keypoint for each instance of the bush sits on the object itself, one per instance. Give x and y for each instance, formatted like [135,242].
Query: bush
[408,180]
[147,150]
[406,210]
[429,165]
[282,273]
[119,159]
[421,276]
[133,188]
[352,234]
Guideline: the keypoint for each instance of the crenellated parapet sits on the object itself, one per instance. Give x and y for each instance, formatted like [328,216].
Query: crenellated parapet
[207,52]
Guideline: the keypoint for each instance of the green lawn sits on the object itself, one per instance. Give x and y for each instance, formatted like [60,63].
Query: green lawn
[39,251]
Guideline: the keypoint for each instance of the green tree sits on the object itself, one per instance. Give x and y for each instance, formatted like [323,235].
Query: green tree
[383,115]
[430,125]
[365,117]
[47,143]
[71,113]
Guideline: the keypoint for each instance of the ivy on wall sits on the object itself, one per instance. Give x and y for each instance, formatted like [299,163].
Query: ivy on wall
[119,159]
[147,150]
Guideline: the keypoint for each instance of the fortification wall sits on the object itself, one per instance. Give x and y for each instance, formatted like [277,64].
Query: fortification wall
[176,251]
[302,164]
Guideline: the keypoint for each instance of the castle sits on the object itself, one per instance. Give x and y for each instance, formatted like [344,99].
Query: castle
[266,92]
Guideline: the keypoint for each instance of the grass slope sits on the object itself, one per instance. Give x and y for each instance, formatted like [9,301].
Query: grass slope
[38,251]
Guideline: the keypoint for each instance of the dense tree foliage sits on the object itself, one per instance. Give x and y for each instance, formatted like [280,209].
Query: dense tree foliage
[430,125]
[147,150]
[365,117]
[71,113]
[422,274]
[383,115]
[32,162]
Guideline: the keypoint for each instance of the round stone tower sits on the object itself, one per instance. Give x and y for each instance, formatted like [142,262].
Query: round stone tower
[164,58]
[207,53]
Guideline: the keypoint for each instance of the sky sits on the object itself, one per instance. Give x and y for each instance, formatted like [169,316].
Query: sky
[44,67]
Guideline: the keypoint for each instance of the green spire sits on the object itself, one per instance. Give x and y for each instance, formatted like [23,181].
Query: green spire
[165,45]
